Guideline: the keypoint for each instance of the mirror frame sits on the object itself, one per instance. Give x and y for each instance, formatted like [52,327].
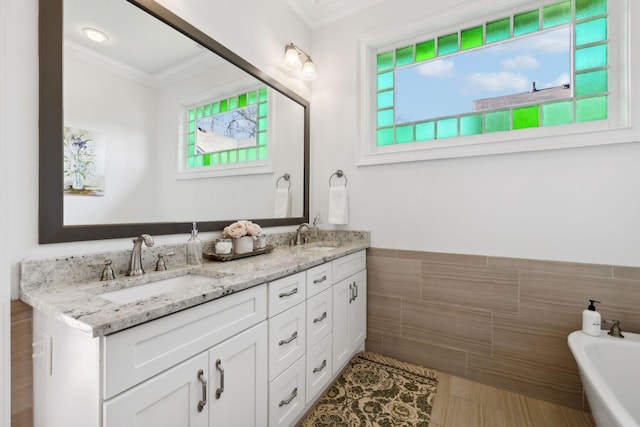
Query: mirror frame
[51,196]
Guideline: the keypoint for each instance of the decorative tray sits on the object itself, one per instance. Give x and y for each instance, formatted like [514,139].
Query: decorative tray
[230,257]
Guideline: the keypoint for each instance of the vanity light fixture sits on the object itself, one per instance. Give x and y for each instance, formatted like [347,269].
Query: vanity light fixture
[95,35]
[292,63]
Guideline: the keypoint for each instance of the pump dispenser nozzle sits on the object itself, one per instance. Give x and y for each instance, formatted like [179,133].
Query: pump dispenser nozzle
[591,306]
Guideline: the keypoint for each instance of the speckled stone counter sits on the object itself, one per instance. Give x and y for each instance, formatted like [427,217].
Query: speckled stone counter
[68,288]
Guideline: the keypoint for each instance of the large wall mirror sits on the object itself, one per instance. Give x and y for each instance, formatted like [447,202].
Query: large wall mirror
[159,126]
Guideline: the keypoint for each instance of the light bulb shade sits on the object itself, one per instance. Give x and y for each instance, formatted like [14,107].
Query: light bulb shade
[95,35]
[308,71]
[292,59]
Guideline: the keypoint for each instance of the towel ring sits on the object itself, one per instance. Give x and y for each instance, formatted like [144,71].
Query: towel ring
[287,178]
[339,174]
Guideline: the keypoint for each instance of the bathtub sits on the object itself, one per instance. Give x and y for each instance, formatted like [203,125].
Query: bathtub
[610,372]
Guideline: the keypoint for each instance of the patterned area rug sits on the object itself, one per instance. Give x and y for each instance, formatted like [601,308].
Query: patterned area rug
[374,390]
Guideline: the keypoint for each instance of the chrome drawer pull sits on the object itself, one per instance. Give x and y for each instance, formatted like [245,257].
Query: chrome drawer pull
[320,280]
[287,341]
[204,390]
[219,367]
[355,288]
[324,365]
[351,297]
[288,294]
[321,318]
[294,393]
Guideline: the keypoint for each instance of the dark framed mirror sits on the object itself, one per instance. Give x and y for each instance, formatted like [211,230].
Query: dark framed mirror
[179,183]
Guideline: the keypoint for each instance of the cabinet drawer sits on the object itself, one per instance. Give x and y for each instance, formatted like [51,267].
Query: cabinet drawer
[348,265]
[286,292]
[287,395]
[319,317]
[133,355]
[318,368]
[318,279]
[286,339]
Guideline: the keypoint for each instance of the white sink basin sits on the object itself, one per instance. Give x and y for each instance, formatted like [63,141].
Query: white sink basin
[321,246]
[148,290]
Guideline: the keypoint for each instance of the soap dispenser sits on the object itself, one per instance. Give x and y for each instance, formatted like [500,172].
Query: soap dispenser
[194,248]
[591,319]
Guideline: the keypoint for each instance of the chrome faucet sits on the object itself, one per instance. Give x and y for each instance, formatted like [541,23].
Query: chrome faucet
[135,262]
[299,232]
[615,330]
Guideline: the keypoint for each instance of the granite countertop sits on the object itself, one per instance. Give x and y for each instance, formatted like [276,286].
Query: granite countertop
[80,306]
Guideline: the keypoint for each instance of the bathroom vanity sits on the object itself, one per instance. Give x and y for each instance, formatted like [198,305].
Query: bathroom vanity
[254,345]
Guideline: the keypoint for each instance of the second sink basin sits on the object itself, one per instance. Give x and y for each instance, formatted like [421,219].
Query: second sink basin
[151,289]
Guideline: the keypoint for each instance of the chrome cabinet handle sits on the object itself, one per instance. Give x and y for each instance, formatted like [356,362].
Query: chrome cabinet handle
[204,390]
[293,395]
[324,365]
[321,318]
[220,390]
[355,288]
[288,294]
[320,280]
[291,338]
[351,297]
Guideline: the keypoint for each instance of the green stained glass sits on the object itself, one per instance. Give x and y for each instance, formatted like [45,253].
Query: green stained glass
[591,31]
[404,134]
[262,123]
[425,50]
[262,109]
[206,159]
[385,137]
[253,97]
[404,56]
[242,155]
[263,95]
[385,80]
[447,128]
[207,110]
[385,61]
[233,103]
[496,121]
[447,44]
[425,131]
[591,83]
[525,23]
[192,138]
[471,38]
[199,113]
[557,113]
[215,159]
[197,161]
[191,150]
[224,106]
[385,118]
[215,108]
[556,14]
[589,109]
[224,157]
[525,117]
[262,138]
[242,100]
[192,126]
[591,57]
[471,125]
[385,99]
[252,154]
[498,30]
[262,153]
[588,8]
[233,156]
[191,162]
[192,114]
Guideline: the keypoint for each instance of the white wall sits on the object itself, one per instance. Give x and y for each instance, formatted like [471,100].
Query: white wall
[5,308]
[573,205]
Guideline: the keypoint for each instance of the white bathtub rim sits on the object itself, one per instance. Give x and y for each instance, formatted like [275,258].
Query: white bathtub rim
[590,374]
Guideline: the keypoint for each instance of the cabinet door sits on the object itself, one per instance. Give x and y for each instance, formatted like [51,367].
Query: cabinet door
[287,339]
[170,399]
[319,317]
[357,311]
[341,295]
[238,387]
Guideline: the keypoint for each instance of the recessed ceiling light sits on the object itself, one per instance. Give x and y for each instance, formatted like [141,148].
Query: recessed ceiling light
[95,35]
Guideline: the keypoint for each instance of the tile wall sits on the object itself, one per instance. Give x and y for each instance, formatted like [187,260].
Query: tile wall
[21,373]
[499,321]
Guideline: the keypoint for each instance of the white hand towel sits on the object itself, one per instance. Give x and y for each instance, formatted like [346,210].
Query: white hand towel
[282,203]
[338,205]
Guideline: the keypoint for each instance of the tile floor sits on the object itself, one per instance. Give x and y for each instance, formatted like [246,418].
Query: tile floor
[464,403]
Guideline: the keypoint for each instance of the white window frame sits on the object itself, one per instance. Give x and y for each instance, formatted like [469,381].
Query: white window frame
[617,128]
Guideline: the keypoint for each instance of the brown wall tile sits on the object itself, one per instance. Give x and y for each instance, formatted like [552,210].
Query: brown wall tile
[444,258]
[21,365]
[393,277]
[621,272]
[374,340]
[384,313]
[491,289]
[575,268]
[382,252]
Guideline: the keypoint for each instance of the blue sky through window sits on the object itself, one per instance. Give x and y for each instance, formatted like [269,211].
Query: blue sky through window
[449,85]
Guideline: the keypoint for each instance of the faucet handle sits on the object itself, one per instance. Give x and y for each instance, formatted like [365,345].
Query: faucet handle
[161,265]
[615,330]
[107,271]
